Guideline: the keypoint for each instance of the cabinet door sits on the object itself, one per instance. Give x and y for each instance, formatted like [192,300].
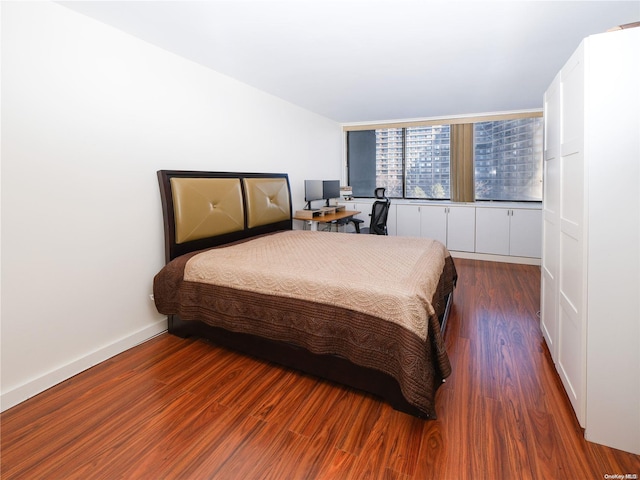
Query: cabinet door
[433,222]
[492,230]
[526,233]
[461,229]
[391,220]
[408,220]
[365,213]
[363,208]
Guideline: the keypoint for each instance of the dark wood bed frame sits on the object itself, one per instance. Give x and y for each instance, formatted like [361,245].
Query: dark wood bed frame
[328,367]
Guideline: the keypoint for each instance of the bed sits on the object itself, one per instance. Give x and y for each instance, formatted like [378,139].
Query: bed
[365,311]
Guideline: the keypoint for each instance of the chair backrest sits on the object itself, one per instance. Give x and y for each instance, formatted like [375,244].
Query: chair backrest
[379,193]
[379,214]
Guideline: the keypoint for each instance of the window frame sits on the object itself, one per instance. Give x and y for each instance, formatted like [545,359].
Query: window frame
[461,162]
[534,151]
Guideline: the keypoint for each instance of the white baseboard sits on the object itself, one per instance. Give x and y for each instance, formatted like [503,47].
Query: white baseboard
[48,380]
[496,258]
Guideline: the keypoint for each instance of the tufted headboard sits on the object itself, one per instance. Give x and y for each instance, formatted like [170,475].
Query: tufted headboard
[207,209]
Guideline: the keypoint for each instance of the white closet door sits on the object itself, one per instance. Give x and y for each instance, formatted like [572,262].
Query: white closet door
[571,359]
[551,218]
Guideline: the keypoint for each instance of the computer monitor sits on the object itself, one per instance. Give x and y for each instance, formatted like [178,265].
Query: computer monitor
[313,190]
[330,189]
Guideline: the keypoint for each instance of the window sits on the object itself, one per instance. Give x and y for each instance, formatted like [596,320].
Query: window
[492,157]
[389,162]
[508,159]
[427,161]
[411,162]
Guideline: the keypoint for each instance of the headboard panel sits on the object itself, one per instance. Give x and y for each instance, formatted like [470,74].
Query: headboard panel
[267,200]
[207,209]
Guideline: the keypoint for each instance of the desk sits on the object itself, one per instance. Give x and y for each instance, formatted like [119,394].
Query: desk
[327,218]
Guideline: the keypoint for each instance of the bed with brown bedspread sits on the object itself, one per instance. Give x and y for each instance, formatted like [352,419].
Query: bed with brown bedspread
[363,310]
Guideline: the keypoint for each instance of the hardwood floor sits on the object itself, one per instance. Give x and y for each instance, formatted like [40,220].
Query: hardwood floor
[174,408]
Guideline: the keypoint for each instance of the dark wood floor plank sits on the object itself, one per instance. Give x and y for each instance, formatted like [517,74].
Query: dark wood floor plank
[361,419]
[58,434]
[373,464]
[404,440]
[179,409]
[183,448]
[224,366]
[454,416]
[142,452]
[434,455]
[271,464]
[337,466]
[320,408]
[310,453]
[287,398]
[67,392]
[234,456]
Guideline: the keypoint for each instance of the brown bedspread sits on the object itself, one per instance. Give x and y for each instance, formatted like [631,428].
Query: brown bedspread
[372,300]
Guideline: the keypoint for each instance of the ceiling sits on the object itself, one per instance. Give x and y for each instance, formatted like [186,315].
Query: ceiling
[368,60]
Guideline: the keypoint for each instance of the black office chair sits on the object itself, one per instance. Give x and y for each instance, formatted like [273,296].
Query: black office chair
[379,214]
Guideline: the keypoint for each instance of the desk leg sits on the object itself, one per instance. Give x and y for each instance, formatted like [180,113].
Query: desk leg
[313,226]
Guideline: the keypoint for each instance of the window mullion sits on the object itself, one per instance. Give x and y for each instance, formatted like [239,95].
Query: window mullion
[404,163]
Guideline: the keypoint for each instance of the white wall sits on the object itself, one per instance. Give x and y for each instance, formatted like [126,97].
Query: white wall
[89,114]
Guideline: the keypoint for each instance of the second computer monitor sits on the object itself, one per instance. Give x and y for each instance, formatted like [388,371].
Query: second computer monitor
[330,189]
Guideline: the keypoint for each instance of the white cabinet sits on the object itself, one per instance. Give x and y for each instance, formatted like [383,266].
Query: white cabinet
[391,219]
[461,226]
[365,213]
[433,222]
[492,230]
[468,228]
[525,233]
[508,231]
[590,292]
[454,226]
[408,220]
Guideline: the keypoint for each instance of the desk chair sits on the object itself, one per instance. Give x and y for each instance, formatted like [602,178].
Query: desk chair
[379,214]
